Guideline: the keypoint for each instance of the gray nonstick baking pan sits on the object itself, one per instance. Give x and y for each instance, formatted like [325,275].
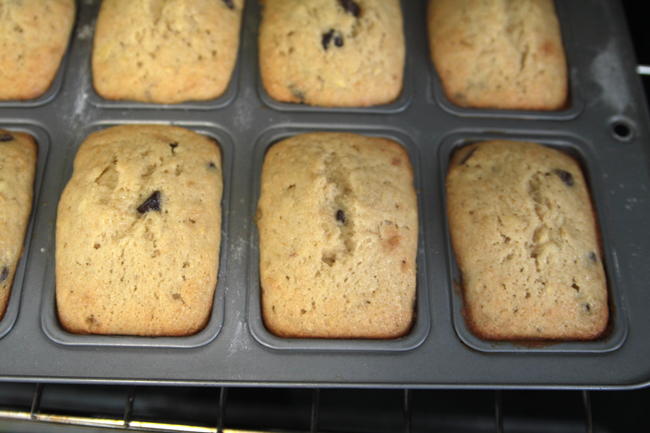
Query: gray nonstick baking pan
[605,125]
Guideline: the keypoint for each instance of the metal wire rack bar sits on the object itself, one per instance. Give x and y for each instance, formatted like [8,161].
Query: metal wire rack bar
[315,404]
[498,411]
[643,70]
[36,401]
[129,423]
[586,398]
[407,411]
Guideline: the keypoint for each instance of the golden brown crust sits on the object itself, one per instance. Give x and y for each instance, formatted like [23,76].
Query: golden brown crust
[139,232]
[318,53]
[165,51]
[525,238]
[33,38]
[18,154]
[499,54]
[338,224]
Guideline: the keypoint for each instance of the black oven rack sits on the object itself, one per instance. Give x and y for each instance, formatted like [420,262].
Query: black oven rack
[88,408]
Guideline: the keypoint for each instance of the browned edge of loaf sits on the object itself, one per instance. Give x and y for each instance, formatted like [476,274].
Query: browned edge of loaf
[157,132]
[276,79]
[31,149]
[558,103]
[407,328]
[120,78]
[457,155]
[38,68]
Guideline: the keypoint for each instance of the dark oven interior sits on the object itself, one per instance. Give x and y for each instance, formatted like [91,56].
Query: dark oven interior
[59,407]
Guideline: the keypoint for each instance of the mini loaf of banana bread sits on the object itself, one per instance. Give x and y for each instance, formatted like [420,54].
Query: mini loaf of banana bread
[138,233]
[332,53]
[338,225]
[33,38]
[505,54]
[18,153]
[526,242]
[165,51]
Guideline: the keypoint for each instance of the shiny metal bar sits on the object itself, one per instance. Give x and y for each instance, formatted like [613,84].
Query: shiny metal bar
[15,415]
[223,395]
[81,421]
[128,410]
[36,402]
[115,423]
[643,70]
[498,411]
[315,403]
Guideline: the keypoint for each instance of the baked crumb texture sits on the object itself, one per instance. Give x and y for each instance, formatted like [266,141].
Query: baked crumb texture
[18,153]
[332,53]
[338,225]
[526,241]
[504,54]
[33,38]
[138,233]
[165,51]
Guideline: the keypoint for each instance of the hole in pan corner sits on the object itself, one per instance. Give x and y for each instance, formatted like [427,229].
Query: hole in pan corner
[622,130]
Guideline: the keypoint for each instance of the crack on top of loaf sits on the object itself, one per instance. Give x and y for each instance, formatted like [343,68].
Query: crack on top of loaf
[339,210]
[548,232]
[109,177]
[540,201]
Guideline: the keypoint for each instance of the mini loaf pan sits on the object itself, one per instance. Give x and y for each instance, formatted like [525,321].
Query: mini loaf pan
[49,317]
[617,327]
[398,105]
[86,44]
[575,100]
[43,144]
[422,321]
[440,352]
